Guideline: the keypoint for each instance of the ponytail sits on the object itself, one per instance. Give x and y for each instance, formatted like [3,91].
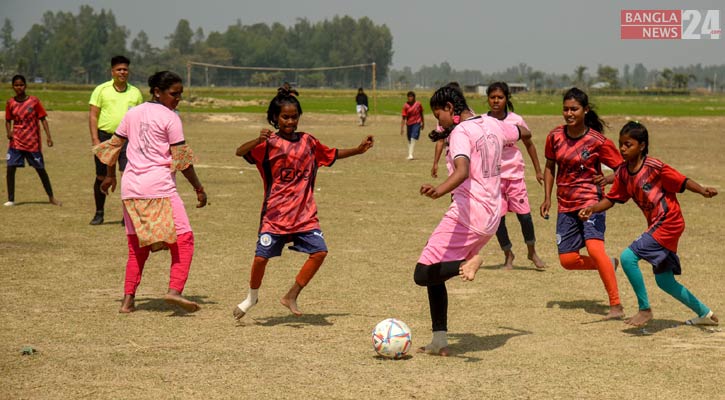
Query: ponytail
[591,118]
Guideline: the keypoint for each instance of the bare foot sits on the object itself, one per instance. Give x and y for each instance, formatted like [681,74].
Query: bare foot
[174,298]
[615,312]
[429,349]
[508,263]
[55,202]
[468,269]
[128,305]
[641,318]
[538,263]
[291,304]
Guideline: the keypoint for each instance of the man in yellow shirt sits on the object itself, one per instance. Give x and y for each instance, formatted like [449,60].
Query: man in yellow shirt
[109,103]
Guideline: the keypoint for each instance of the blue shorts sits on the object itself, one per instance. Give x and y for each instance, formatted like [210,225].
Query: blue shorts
[122,160]
[413,131]
[270,245]
[571,232]
[662,259]
[17,158]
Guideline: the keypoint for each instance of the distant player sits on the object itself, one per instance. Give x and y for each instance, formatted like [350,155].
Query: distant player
[413,122]
[574,154]
[288,161]
[513,188]
[653,185]
[361,100]
[109,103]
[22,114]
[473,160]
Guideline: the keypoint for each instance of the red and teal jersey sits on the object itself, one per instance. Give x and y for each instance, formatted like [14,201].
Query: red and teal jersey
[26,129]
[578,160]
[654,189]
[288,169]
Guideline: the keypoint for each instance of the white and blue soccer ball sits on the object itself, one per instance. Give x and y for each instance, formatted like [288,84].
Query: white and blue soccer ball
[392,338]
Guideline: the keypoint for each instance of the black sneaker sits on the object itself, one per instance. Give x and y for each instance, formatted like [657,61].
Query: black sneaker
[97,219]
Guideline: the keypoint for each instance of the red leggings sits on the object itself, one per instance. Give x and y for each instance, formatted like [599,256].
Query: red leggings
[597,259]
[181,254]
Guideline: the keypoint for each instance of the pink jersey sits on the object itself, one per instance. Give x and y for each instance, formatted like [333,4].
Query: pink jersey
[151,129]
[477,201]
[512,161]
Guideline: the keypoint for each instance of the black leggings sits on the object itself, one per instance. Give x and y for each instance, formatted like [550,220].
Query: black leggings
[434,277]
[527,229]
[44,178]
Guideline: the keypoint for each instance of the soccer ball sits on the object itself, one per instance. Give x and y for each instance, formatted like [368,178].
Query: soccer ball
[392,338]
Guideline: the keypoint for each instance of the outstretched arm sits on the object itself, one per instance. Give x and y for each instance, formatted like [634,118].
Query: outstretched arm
[460,174]
[364,146]
[603,205]
[707,192]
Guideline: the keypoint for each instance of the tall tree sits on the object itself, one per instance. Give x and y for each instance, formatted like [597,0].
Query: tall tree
[181,38]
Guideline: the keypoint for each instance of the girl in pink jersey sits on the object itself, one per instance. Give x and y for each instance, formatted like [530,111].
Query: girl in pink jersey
[22,114]
[653,185]
[513,188]
[288,161]
[574,154]
[473,160]
[153,212]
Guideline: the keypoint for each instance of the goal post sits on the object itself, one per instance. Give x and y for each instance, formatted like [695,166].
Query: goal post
[206,66]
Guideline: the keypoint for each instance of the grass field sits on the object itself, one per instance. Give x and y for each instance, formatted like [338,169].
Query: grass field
[518,334]
[386,102]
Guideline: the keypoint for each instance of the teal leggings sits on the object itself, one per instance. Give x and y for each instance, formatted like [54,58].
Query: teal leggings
[666,281]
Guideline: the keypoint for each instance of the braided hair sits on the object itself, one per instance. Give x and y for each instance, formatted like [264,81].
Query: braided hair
[448,94]
[285,95]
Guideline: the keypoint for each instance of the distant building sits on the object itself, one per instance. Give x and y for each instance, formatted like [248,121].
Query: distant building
[480,88]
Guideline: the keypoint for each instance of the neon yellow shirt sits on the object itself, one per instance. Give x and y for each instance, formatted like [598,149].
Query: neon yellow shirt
[113,104]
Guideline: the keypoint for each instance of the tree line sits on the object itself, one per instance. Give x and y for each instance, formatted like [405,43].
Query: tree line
[77,48]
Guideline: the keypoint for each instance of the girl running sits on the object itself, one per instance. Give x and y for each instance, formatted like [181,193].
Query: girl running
[653,185]
[22,114]
[574,154]
[288,160]
[473,161]
[513,188]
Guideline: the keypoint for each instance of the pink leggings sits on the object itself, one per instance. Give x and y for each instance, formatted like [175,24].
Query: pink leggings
[181,254]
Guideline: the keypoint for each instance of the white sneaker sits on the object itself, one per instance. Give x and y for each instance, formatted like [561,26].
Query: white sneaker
[410,157]
[9,203]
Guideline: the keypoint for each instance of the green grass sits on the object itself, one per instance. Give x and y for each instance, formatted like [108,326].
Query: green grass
[389,102]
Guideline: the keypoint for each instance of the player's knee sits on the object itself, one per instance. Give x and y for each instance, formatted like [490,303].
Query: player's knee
[628,258]
[420,276]
[666,281]
[569,260]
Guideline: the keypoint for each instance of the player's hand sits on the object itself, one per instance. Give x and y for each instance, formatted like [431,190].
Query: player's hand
[201,197]
[264,135]
[429,190]
[709,192]
[96,141]
[50,142]
[540,177]
[366,144]
[10,136]
[600,180]
[544,209]
[585,213]
[109,181]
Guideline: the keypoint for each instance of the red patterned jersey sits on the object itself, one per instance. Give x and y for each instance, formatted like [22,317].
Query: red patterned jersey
[653,188]
[288,169]
[413,113]
[577,161]
[25,116]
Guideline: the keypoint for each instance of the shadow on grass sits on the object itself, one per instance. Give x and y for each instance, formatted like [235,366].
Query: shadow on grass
[468,342]
[294,321]
[653,326]
[159,305]
[589,306]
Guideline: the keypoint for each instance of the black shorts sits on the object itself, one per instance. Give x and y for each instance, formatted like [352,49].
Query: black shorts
[122,160]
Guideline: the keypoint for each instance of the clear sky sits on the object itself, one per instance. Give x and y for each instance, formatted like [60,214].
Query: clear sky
[549,35]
